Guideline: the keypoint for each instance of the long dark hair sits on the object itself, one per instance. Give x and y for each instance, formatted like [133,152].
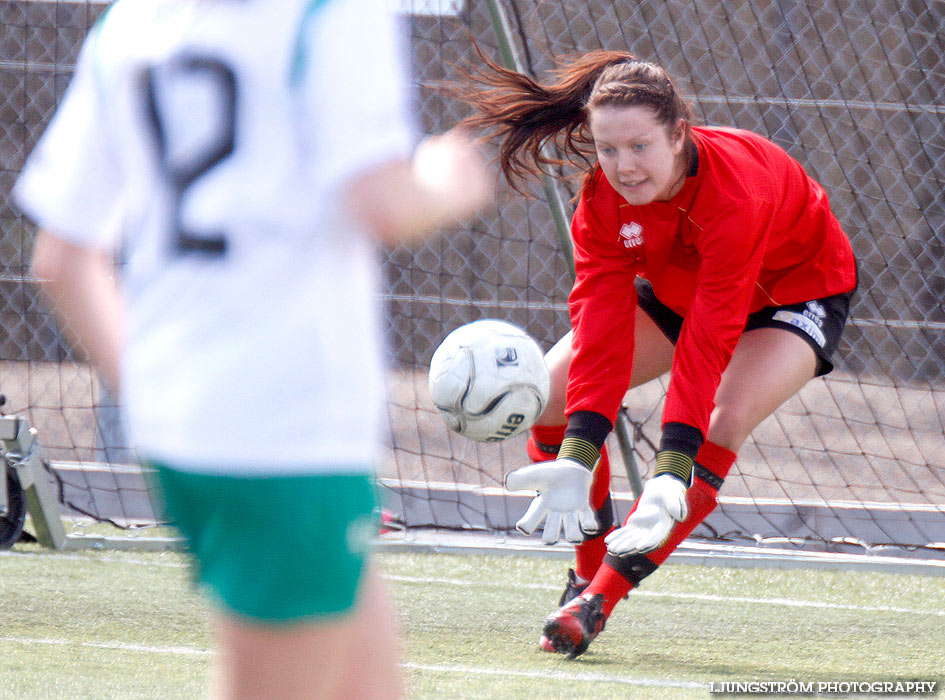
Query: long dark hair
[526,115]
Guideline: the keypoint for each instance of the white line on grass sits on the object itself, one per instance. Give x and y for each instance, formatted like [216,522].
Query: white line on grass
[688,596]
[556,675]
[473,670]
[117,646]
[785,602]
[104,558]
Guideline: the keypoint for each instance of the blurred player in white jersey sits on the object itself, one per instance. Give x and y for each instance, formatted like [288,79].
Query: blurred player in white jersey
[245,158]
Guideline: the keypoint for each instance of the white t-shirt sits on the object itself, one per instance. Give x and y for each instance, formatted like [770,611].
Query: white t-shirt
[205,140]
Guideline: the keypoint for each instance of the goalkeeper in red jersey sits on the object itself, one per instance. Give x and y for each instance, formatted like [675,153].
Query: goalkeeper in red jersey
[704,252]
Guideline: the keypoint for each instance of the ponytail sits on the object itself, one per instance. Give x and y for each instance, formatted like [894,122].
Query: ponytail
[526,115]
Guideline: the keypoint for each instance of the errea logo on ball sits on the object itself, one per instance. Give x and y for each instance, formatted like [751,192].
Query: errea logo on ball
[513,422]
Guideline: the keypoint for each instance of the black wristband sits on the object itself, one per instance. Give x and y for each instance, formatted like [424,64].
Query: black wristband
[584,437]
[590,426]
[681,438]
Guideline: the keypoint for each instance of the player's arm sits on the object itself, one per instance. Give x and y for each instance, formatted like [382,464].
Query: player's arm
[79,282]
[603,307]
[731,247]
[407,199]
[359,123]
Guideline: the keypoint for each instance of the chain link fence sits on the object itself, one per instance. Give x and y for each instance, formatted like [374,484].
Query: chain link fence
[855,91]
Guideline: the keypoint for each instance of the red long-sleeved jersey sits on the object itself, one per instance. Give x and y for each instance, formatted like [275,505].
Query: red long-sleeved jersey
[750,229]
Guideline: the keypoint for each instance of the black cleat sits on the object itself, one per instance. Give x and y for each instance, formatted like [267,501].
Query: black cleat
[573,589]
[571,629]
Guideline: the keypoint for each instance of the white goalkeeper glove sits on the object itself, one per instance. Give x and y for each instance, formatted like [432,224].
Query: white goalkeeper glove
[662,504]
[563,487]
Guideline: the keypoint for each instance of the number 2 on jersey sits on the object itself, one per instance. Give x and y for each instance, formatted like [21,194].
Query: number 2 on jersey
[183,173]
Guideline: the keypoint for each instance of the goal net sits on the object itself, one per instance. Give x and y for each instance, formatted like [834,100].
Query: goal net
[855,462]
[855,91]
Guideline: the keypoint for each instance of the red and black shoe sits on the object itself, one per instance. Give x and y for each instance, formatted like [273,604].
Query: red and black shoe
[572,590]
[571,629]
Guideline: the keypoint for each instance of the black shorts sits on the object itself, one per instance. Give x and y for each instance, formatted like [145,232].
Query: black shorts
[820,322]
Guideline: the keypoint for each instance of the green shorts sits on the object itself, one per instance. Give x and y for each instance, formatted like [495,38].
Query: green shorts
[275,549]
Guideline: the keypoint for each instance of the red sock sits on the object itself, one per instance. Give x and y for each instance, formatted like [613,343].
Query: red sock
[590,553]
[611,584]
[702,498]
[544,441]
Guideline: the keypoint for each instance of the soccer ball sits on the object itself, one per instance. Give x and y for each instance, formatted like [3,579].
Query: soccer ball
[489,380]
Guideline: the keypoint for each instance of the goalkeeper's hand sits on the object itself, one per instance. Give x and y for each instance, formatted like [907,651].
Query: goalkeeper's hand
[662,504]
[562,502]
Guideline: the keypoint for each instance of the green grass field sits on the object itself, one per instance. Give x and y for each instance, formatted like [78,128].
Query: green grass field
[123,625]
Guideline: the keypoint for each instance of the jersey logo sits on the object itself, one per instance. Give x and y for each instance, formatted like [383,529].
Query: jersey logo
[632,235]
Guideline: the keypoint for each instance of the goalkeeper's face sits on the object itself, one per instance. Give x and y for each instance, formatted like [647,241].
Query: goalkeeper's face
[641,157]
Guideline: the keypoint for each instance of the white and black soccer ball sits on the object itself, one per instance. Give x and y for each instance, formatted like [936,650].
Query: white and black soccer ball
[489,380]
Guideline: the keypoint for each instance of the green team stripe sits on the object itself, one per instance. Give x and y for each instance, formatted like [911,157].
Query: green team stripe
[300,53]
[580,450]
[677,463]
